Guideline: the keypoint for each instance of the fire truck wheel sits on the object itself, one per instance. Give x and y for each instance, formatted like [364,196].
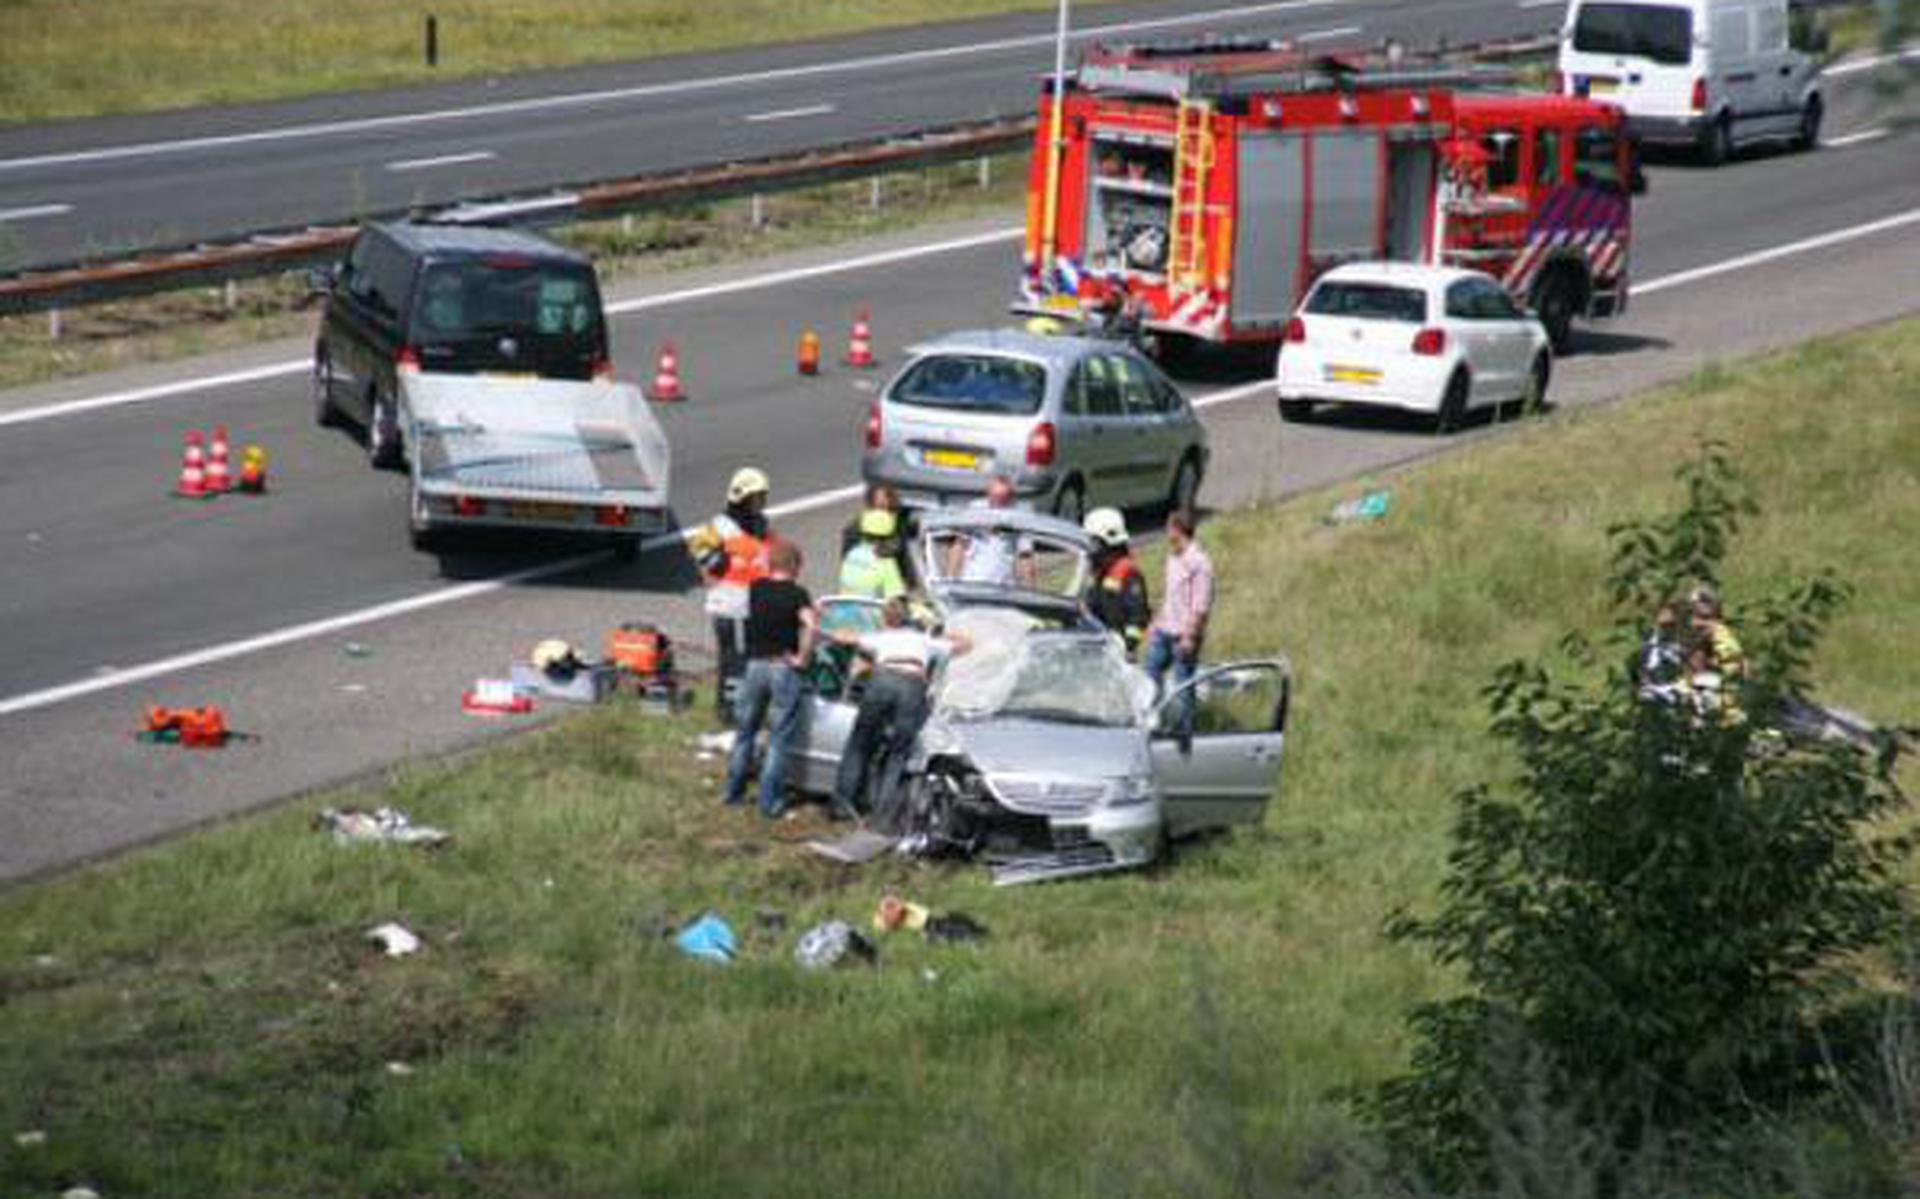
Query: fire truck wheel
[1453,405]
[324,413]
[1296,412]
[1555,301]
[420,531]
[1071,502]
[1716,142]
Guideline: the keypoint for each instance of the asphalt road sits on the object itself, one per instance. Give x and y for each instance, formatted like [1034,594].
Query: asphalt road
[115,596]
[80,189]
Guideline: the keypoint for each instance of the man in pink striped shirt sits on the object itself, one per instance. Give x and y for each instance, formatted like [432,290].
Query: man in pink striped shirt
[1185,604]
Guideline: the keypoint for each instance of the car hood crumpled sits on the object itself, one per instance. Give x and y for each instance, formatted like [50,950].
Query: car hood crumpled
[1046,748]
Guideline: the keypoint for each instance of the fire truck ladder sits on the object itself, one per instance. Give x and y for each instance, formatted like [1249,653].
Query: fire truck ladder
[1192,160]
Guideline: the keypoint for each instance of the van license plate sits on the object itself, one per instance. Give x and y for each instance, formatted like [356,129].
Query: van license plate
[1353,374]
[534,510]
[1599,86]
[951,459]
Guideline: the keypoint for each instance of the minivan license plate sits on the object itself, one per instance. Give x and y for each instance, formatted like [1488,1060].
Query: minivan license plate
[951,459]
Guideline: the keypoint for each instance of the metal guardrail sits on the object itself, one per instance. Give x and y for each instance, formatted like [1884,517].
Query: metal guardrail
[278,251]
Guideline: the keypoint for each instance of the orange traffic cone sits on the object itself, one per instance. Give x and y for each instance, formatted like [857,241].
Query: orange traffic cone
[809,359]
[253,470]
[860,344]
[219,468]
[193,470]
[666,379]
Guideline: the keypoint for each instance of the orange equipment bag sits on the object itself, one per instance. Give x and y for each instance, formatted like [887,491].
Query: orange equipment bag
[197,728]
[639,649]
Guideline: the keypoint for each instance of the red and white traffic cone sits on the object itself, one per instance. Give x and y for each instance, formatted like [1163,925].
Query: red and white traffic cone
[666,378]
[219,469]
[193,469]
[860,344]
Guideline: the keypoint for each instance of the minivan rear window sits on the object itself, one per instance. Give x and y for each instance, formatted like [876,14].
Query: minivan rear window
[480,297]
[1369,301]
[1651,31]
[973,383]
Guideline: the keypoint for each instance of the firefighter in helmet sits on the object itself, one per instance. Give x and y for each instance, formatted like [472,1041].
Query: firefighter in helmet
[1117,595]
[731,552]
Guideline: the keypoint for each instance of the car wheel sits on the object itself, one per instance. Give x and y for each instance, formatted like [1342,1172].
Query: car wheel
[1453,405]
[324,413]
[1186,486]
[1535,398]
[383,432]
[1716,141]
[1555,302]
[1070,504]
[1296,412]
[420,531]
[1810,119]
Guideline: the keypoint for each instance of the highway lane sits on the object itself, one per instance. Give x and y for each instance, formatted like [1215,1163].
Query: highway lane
[107,574]
[109,185]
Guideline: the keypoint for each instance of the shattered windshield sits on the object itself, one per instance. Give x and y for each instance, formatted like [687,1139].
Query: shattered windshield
[1064,678]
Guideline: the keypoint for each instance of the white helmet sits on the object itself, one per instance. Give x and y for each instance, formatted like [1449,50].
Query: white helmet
[1106,526]
[748,480]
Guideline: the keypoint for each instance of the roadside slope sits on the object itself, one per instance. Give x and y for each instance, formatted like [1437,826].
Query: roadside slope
[201,1017]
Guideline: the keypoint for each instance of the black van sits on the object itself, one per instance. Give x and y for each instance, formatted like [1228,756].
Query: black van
[454,299]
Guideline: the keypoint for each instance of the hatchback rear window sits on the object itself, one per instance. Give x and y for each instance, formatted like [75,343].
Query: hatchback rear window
[1650,31]
[483,297]
[1369,301]
[973,383]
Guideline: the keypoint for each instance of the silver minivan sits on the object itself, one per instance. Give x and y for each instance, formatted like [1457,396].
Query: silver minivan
[1075,422]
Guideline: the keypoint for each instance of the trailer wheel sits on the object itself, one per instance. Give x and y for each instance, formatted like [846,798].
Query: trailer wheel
[626,547]
[1296,412]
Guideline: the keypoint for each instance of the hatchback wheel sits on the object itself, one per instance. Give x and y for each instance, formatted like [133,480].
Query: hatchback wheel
[383,432]
[1453,405]
[324,413]
[1186,486]
[1071,502]
[1535,398]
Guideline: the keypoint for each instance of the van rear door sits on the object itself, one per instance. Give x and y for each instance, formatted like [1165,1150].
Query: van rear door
[509,314]
[1642,57]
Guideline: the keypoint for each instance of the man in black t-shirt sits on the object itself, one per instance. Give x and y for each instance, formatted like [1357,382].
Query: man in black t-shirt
[780,631]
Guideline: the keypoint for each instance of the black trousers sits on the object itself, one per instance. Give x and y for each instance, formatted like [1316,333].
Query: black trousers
[730,653]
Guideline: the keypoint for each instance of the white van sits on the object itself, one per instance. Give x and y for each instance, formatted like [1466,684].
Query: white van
[1710,74]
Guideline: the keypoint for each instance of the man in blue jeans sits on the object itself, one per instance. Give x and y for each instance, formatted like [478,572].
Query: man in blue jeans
[780,632]
[1185,606]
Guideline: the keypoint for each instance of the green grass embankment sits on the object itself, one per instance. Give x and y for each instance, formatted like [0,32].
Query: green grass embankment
[203,1018]
[70,60]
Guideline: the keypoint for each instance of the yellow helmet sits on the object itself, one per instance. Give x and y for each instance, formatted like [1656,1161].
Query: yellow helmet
[878,523]
[1046,326]
[748,480]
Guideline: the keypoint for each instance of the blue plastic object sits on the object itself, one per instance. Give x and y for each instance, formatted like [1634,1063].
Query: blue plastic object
[709,937]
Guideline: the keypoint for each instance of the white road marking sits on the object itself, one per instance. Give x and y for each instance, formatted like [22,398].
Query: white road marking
[27,214]
[1871,61]
[1327,35]
[1854,139]
[445,160]
[822,499]
[580,99]
[1541,3]
[788,114]
[205,383]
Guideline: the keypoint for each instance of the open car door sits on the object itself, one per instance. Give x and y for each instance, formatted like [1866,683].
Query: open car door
[832,699]
[1217,744]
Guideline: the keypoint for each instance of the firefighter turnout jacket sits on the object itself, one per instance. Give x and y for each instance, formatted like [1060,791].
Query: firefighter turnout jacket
[731,552]
[1118,599]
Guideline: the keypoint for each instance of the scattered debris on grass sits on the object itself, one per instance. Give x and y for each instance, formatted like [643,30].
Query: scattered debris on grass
[394,940]
[710,938]
[388,826]
[1369,507]
[834,943]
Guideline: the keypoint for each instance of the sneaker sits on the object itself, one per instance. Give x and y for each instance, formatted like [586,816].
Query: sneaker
[842,815]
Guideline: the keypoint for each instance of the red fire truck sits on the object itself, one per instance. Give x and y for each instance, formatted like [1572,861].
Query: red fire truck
[1209,185]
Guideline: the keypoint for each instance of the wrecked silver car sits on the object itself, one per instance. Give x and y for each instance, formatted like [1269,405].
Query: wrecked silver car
[1046,751]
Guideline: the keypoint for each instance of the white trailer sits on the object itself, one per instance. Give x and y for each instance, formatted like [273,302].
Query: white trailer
[484,451]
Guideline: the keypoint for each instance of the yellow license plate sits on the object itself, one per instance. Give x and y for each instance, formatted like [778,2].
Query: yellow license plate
[1061,304]
[534,510]
[952,459]
[511,374]
[1602,87]
[1352,374]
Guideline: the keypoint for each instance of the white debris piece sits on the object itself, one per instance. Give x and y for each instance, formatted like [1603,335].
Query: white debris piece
[387,825]
[395,939]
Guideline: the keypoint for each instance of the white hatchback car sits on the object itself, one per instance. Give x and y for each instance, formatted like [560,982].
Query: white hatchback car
[1419,338]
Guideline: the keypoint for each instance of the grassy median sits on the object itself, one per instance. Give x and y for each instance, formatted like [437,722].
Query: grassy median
[70,60]
[204,1018]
